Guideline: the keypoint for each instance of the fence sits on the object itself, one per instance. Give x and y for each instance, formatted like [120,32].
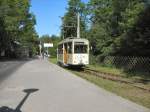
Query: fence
[129,64]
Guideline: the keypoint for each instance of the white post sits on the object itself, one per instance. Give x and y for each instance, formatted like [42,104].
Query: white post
[63,34]
[40,46]
[47,51]
[78,26]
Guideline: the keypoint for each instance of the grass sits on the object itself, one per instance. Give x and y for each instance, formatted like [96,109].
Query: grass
[124,90]
[53,60]
[113,71]
[119,72]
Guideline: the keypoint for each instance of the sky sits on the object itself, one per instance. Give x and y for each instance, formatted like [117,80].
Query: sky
[48,15]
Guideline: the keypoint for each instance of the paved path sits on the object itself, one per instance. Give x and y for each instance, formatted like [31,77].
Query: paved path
[8,67]
[59,91]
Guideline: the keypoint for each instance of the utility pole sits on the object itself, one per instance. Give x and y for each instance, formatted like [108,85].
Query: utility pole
[78,25]
[40,47]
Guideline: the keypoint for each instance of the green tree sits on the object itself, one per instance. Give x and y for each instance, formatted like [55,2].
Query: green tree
[100,31]
[51,39]
[114,26]
[69,26]
[17,24]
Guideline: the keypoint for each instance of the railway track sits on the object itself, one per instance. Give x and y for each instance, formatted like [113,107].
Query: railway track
[116,78]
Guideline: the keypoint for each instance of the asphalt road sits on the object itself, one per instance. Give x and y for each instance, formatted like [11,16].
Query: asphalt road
[7,67]
[59,91]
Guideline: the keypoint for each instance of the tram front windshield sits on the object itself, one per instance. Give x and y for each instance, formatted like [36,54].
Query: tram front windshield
[80,48]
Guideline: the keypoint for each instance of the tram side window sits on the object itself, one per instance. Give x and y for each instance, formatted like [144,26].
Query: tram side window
[70,47]
[80,49]
[60,49]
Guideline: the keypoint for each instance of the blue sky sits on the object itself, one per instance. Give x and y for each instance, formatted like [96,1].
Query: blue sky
[48,13]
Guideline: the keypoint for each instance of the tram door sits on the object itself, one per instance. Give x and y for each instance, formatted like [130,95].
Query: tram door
[65,53]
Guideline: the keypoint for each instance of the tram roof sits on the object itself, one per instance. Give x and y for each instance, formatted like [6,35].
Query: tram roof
[73,39]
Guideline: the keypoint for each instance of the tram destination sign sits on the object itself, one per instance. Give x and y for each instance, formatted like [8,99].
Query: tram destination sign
[77,43]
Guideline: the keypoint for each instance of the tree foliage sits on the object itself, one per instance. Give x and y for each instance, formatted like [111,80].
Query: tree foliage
[69,27]
[16,25]
[51,39]
[115,27]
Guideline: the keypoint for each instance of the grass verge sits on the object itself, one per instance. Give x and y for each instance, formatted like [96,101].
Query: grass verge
[124,90]
[53,60]
[119,72]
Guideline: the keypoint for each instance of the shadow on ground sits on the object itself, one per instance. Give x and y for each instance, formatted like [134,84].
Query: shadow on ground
[76,68]
[18,108]
[9,66]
